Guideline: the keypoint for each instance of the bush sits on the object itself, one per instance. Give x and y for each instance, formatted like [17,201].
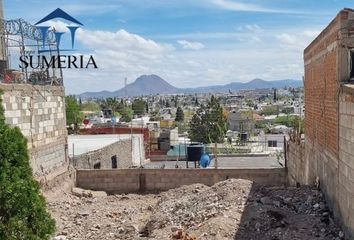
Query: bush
[23,212]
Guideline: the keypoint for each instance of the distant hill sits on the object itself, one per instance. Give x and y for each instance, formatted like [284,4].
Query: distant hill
[143,85]
[153,84]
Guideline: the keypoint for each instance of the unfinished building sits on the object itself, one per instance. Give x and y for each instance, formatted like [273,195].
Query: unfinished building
[327,155]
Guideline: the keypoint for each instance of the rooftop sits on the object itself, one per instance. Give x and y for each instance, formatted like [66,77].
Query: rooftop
[80,144]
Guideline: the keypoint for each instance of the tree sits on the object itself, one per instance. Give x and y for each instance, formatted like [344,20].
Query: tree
[73,113]
[90,106]
[167,104]
[126,114]
[270,110]
[209,123]
[196,102]
[179,115]
[23,213]
[139,107]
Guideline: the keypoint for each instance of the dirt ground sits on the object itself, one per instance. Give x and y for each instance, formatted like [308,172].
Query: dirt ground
[232,209]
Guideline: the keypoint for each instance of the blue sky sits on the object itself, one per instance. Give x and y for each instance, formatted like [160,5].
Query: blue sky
[188,43]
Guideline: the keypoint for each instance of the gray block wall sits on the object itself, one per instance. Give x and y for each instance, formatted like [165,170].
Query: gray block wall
[129,153]
[39,112]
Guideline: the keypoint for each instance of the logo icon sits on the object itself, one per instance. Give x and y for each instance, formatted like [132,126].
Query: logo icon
[44,30]
[49,37]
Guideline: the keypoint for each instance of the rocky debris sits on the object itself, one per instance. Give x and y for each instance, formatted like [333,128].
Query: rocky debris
[232,209]
[87,193]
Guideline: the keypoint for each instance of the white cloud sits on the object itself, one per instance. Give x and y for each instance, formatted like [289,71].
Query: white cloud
[123,54]
[246,7]
[191,45]
[298,41]
[250,28]
[121,41]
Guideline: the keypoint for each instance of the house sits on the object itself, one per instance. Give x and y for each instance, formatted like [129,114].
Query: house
[240,121]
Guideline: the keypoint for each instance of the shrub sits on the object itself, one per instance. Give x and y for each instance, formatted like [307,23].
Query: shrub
[23,212]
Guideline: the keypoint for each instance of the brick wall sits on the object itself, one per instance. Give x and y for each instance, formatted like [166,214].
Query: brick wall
[39,111]
[134,180]
[329,139]
[321,87]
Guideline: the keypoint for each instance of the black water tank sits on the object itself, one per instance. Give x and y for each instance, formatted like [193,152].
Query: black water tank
[243,137]
[194,152]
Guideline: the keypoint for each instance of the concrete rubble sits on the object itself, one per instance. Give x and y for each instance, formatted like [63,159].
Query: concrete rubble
[232,209]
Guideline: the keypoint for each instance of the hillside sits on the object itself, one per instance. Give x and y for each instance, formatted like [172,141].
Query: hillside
[153,84]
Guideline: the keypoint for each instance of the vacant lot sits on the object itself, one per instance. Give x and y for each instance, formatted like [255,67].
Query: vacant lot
[233,209]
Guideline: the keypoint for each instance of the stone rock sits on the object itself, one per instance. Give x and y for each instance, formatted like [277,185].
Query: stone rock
[60,237]
[266,201]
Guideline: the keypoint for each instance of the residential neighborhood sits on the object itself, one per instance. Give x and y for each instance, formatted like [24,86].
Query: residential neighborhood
[214,121]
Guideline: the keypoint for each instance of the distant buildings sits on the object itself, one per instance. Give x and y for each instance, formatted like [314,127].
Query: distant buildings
[240,121]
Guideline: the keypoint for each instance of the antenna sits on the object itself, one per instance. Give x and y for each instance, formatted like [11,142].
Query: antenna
[125,88]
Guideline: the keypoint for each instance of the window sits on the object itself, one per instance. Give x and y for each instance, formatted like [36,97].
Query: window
[97,166]
[114,161]
[272,143]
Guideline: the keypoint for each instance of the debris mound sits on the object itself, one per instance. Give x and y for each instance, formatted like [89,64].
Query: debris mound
[233,209]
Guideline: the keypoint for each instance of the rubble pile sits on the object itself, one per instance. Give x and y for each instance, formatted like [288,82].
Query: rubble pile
[232,209]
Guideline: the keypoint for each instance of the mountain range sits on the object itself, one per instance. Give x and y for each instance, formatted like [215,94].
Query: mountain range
[153,84]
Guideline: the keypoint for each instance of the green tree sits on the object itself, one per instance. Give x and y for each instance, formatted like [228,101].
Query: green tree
[270,110]
[209,123]
[139,107]
[90,106]
[23,213]
[126,114]
[111,103]
[179,115]
[73,113]
[167,104]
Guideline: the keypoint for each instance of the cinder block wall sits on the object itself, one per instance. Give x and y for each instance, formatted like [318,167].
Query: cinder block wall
[135,180]
[296,164]
[39,111]
[122,149]
[327,124]
[129,153]
[345,186]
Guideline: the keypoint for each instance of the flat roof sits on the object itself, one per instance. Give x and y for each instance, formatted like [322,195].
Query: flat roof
[81,144]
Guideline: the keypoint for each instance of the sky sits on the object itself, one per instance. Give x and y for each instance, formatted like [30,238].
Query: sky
[189,43]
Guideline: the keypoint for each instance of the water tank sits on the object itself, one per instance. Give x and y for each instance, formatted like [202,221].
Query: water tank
[243,137]
[204,160]
[194,152]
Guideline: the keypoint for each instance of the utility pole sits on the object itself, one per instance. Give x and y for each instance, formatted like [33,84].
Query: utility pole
[125,88]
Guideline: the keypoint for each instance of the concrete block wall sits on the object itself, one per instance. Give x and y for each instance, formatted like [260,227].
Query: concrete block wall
[346,158]
[296,165]
[39,112]
[128,152]
[135,180]
[122,149]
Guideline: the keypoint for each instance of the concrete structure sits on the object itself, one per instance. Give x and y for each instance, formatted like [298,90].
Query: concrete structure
[140,180]
[328,154]
[106,151]
[240,121]
[39,112]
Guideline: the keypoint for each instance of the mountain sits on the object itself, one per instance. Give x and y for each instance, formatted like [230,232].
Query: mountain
[143,85]
[153,84]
